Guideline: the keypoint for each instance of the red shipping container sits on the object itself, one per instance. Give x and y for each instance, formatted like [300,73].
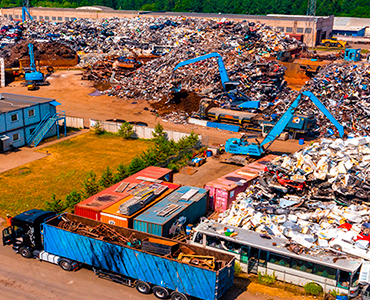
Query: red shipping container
[223,190]
[92,206]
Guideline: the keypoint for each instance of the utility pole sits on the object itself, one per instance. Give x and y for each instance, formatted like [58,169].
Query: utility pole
[311,20]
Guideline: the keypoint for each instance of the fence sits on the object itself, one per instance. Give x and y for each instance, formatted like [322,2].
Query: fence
[144,132]
[73,122]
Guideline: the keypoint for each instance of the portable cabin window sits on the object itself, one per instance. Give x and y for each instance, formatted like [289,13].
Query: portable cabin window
[324,271]
[301,265]
[15,137]
[279,260]
[31,113]
[32,130]
[14,117]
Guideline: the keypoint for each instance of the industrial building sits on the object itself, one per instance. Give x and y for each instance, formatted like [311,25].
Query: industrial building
[346,26]
[23,119]
[309,29]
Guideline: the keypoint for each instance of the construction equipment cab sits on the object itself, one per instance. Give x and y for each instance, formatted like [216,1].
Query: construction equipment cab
[334,42]
[24,234]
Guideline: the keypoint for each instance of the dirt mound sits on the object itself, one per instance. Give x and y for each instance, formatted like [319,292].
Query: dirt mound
[43,51]
[182,101]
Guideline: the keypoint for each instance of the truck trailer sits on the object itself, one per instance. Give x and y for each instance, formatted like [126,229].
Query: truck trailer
[150,263]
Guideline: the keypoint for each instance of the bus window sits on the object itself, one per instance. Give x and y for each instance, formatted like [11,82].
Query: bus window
[244,254]
[213,241]
[301,265]
[279,260]
[199,238]
[263,258]
[355,278]
[324,271]
[231,246]
[216,242]
[344,278]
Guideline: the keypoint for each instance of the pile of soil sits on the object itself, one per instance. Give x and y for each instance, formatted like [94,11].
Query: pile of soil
[182,101]
[42,51]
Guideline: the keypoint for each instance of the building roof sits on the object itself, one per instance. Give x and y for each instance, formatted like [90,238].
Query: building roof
[10,102]
[95,7]
[350,24]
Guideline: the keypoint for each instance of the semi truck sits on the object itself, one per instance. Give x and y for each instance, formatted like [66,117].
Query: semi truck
[150,263]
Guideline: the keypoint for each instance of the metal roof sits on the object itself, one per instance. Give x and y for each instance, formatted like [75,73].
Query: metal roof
[350,24]
[10,102]
[254,239]
[174,203]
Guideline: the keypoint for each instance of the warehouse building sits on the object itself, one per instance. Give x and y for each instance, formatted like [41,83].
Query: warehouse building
[308,29]
[24,118]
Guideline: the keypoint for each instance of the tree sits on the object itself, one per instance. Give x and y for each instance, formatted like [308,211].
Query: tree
[90,186]
[126,130]
[55,204]
[106,179]
[122,173]
[73,198]
[158,133]
[136,165]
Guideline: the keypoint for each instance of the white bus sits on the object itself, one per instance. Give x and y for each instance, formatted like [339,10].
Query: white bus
[257,254]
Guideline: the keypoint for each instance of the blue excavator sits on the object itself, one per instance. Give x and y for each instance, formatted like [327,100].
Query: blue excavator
[25,12]
[243,147]
[238,99]
[33,76]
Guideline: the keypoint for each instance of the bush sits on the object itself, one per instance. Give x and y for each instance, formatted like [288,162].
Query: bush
[313,288]
[106,180]
[126,130]
[335,293]
[237,268]
[266,279]
[73,198]
[97,128]
[90,185]
[55,204]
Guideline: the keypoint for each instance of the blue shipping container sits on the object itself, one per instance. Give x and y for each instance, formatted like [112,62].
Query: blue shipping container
[159,219]
[137,264]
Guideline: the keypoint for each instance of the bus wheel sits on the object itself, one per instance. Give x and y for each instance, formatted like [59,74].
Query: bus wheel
[179,296]
[337,247]
[160,292]
[66,265]
[25,252]
[142,287]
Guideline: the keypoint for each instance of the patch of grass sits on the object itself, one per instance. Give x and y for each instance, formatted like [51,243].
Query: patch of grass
[365,51]
[63,169]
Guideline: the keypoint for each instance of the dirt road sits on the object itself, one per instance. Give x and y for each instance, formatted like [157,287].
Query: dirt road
[73,93]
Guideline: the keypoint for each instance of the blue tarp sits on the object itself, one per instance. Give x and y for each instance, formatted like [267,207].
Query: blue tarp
[228,127]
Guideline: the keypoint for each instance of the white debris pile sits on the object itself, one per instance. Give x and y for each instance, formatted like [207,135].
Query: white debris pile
[315,198]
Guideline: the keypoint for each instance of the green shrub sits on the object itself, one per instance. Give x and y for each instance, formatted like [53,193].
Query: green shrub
[54,204]
[72,199]
[266,279]
[97,128]
[335,293]
[106,180]
[237,268]
[126,130]
[313,288]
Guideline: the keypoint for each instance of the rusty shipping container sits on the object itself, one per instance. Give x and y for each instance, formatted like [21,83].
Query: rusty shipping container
[93,206]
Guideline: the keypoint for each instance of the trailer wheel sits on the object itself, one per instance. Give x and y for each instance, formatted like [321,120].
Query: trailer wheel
[160,292]
[179,296]
[25,252]
[142,287]
[66,265]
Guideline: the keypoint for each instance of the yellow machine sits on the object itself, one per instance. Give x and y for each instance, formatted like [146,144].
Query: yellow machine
[334,42]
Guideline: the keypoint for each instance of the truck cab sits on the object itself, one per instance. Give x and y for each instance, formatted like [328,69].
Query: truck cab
[24,234]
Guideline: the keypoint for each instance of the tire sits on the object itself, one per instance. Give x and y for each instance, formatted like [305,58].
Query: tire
[160,292]
[142,287]
[337,247]
[327,44]
[179,296]
[65,265]
[25,252]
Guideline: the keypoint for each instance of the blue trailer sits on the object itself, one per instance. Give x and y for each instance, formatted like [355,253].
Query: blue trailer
[150,263]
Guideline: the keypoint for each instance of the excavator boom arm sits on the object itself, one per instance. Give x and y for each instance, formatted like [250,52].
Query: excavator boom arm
[32,57]
[221,66]
[287,116]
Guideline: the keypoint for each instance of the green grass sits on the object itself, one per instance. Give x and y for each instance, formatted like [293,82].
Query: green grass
[63,170]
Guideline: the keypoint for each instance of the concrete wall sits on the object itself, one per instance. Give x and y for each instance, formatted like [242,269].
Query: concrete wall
[73,122]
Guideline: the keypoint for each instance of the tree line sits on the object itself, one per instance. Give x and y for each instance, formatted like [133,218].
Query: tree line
[350,8]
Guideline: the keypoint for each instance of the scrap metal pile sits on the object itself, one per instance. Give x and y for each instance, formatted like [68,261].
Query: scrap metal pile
[316,198]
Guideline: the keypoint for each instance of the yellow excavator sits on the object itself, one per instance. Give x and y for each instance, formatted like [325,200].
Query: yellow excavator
[334,42]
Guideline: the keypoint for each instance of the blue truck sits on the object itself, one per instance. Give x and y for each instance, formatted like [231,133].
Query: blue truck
[168,268]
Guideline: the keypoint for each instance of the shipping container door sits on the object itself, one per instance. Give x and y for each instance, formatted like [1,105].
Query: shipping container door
[211,201]
[221,200]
